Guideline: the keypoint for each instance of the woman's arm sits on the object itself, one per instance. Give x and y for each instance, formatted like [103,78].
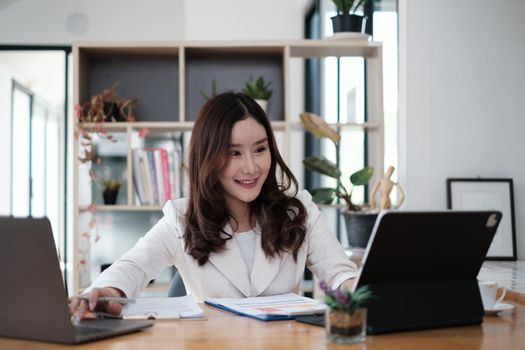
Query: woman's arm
[135,269]
[326,257]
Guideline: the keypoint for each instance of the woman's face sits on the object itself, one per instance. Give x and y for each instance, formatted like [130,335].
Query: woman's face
[247,164]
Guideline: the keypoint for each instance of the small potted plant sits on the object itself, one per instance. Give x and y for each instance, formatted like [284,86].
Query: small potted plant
[346,20]
[346,314]
[213,92]
[259,90]
[107,107]
[359,218]
[111,188]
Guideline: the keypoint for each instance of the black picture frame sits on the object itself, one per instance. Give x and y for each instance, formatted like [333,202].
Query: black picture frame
[488,194]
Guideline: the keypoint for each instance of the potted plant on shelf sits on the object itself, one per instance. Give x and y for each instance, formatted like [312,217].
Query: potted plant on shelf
[213,92]
[259,90]
[111,188]
[346,20]
[107,107]
[346,313]
[359,218]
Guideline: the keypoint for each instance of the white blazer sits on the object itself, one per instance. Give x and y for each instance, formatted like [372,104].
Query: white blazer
[225,274]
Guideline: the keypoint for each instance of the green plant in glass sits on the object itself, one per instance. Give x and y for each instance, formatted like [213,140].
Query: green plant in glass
[258,89]
[343,299]
[326,195]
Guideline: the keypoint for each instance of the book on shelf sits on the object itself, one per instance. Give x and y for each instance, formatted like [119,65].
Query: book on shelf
[270,308]
[146,178]
[165,175]
[153,176]
[157,174]
[137,176]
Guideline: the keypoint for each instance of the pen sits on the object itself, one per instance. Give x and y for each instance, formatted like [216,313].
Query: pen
[117,299]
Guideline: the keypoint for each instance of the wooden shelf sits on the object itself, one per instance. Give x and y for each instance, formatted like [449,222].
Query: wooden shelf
[168,77]
[123,208]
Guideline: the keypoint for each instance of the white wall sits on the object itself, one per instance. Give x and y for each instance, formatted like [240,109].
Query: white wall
[246,20]
[462,98]
[66,21]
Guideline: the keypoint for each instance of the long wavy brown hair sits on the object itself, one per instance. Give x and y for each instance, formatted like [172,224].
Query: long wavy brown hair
[281,217]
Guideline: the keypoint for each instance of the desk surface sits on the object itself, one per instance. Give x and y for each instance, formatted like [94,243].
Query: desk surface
[223,330]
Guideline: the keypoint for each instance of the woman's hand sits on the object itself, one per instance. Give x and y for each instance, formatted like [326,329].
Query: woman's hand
[349,284]
[78,307]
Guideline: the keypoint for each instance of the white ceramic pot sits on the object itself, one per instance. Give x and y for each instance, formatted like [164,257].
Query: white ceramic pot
[263,104]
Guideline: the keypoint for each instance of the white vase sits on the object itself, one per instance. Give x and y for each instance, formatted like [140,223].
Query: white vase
[263,104]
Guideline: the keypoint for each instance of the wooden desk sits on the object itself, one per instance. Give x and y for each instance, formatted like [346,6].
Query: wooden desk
[223,330]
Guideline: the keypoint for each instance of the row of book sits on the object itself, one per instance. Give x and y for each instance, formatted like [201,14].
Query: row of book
[157,174]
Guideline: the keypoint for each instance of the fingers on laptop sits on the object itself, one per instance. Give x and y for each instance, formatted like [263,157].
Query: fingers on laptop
[79,307]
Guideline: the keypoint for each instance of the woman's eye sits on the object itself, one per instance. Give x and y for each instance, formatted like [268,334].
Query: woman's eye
[234,153]
[260,150]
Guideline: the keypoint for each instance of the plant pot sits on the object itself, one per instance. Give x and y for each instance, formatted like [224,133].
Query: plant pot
[263,104]
[359,227]
[110,196]
[112,112]
[349,23]
[345,327]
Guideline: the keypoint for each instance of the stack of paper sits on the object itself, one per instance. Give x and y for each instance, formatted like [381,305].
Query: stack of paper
[276,307]
[163,308]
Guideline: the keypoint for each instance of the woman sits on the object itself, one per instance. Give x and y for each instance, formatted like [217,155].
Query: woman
[244,230]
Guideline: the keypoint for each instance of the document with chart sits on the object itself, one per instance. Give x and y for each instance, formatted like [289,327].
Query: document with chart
[275,307]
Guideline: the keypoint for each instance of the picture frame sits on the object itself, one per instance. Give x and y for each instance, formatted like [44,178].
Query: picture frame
[488,194]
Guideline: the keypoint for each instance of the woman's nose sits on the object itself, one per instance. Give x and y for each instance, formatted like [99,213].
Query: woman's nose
[249,166]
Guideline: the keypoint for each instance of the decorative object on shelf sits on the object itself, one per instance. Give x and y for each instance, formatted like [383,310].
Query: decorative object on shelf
[346,314]
[346,20]
[488,194]
[213,92]
[385,185]
[111,188]
[259,90]
[107,107]
[359,218]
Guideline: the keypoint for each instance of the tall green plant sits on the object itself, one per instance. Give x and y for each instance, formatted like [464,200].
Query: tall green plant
[326,195]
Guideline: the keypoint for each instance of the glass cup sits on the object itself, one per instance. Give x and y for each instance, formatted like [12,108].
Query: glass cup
[344,327]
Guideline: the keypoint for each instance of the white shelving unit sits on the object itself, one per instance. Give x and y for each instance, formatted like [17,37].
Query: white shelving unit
[141,67]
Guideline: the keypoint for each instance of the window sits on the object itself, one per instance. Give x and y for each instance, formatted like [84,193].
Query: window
[342,96]
[33,107]
[20,150]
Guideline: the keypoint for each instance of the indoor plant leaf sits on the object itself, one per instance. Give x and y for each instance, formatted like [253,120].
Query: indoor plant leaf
[361,177]
[323,195]
[317,126]
[323,166]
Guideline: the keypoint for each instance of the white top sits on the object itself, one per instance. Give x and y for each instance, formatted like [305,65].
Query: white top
[225,275]
[246,242]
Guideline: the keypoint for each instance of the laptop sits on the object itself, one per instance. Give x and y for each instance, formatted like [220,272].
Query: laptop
[33,298]
[422,268]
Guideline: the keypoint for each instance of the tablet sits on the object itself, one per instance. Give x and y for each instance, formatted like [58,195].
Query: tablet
[422,268]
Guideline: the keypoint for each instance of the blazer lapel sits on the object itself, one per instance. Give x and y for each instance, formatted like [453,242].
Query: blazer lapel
[231,263]
[264,270]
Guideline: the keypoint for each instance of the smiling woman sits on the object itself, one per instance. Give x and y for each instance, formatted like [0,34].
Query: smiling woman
[244,231]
